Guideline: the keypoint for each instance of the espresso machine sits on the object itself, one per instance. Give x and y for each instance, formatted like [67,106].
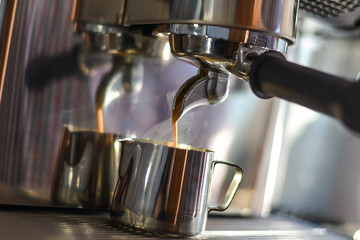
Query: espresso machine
[102,68]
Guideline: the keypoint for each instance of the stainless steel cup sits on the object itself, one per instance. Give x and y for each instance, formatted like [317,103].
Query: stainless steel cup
[86,169]
[165,190]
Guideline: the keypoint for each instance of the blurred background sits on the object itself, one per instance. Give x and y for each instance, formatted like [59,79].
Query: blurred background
[318,177]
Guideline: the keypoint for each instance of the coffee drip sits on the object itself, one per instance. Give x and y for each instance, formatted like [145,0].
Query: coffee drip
[205,88]
[125,79]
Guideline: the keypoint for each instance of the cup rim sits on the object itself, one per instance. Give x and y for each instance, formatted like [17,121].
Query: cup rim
[78,130]
[180,146]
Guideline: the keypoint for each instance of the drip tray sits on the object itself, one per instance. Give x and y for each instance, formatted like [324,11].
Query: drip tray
[39,223]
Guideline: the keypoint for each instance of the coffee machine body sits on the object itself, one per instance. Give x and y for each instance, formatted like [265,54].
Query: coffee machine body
[78,75]
[100,70]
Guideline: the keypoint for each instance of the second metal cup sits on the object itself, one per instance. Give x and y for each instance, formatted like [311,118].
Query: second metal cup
[86,169]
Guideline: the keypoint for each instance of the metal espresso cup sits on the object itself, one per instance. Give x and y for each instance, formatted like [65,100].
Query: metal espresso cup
[86,169]
[165,190]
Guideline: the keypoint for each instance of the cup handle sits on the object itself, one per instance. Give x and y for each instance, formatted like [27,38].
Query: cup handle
[234,185]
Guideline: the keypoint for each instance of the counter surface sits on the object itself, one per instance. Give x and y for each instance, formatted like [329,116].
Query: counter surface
[39,223]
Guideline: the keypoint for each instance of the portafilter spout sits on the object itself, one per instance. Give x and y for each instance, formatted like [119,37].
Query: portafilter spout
[206,88]
[217,57]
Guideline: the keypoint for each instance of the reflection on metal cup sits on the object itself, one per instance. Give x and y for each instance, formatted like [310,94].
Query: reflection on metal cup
[86,169]
[165,190]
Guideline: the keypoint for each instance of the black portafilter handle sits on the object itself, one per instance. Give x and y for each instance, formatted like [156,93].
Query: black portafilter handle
[271,75]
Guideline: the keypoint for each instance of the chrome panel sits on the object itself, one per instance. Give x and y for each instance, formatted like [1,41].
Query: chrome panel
[275,17]
[99,11]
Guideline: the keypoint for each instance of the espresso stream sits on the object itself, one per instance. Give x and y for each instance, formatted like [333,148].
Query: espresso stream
[174,126]
[175,117]
[177,178]
[178,105]
[99,103]
[100,121]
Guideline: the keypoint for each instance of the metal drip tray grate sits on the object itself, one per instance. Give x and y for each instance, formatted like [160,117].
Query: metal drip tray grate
[52,224]
[329,8]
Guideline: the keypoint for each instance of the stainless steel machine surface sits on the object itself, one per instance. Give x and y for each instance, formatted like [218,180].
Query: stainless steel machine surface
[118,77]
[44,224]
